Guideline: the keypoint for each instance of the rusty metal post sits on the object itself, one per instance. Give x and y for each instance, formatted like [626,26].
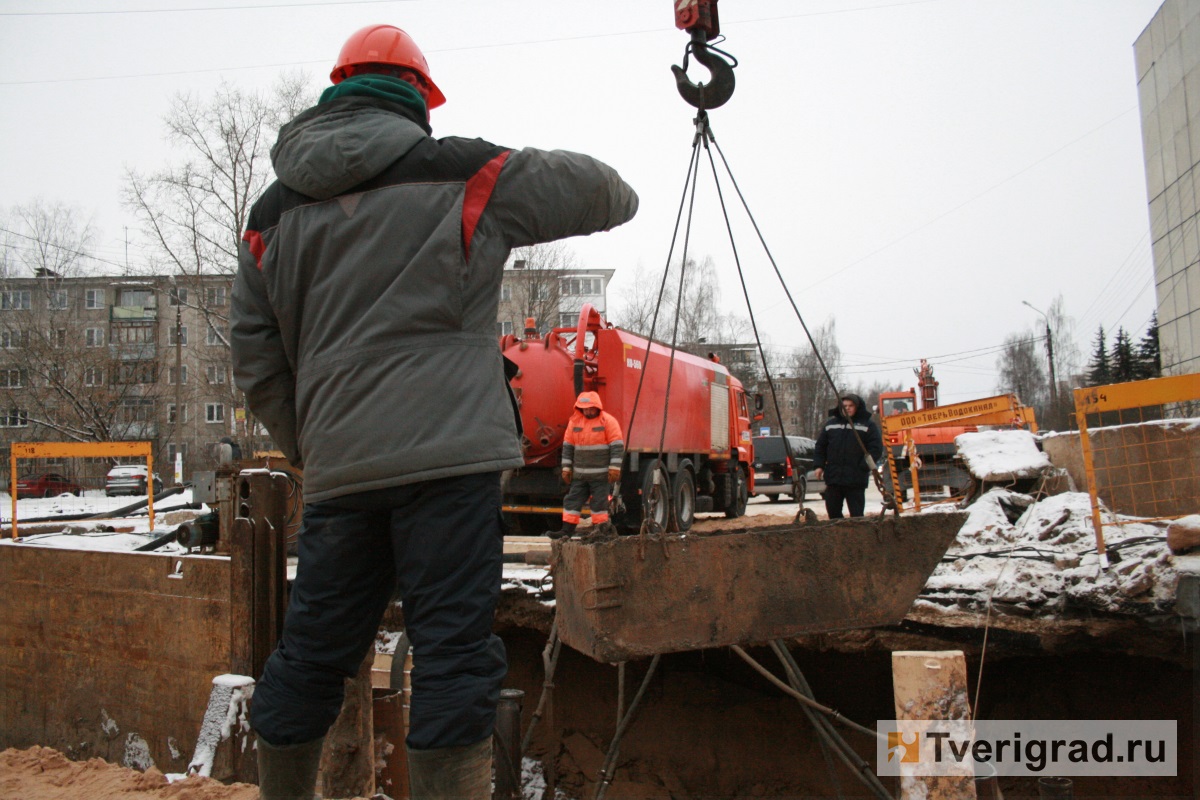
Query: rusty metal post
[257,551]
[391,757]
[506,745]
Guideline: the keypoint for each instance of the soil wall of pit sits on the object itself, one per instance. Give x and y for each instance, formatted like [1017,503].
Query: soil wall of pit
[711,727]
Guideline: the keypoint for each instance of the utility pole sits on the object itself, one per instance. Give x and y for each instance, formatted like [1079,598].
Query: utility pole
[1050,357]
[178,372]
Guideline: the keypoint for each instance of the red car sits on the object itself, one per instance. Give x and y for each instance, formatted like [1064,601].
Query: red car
[48,485]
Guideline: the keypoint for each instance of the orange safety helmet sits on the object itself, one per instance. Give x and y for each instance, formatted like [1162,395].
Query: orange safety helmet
[384,44]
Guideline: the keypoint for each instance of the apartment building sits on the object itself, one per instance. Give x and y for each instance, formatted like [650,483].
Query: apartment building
[552,297]
[119,359]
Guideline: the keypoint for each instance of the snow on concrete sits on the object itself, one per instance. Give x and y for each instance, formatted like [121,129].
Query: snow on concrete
[228,710]
[1045,561]
[1001,455]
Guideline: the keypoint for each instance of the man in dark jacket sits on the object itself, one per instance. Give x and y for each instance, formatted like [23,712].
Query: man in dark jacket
[363,334]
[840,458]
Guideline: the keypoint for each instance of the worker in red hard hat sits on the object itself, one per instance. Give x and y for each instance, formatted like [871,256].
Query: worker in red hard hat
[363,335]
[593,449]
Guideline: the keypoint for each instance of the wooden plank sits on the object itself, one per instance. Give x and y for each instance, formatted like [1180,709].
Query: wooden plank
[932,685]
[110,654]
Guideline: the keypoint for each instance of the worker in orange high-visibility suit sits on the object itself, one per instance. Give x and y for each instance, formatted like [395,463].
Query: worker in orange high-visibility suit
[593,449]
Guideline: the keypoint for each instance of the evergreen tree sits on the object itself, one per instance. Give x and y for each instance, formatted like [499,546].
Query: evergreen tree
[1149,359]
[1122,360]
[1099,372]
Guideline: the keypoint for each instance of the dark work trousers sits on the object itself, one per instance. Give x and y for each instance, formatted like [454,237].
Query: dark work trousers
[440,544]
[579,492]
[855,497]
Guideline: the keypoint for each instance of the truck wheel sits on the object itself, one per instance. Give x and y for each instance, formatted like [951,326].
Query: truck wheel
[655,498]
[683,499]
[737,505]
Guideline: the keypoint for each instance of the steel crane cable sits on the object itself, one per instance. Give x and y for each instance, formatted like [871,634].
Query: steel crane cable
[687,199]
[702,119]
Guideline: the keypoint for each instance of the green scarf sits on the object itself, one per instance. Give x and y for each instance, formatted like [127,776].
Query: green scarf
[384,87]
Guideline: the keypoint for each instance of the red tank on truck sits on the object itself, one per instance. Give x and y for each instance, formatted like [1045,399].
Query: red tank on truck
[705,444]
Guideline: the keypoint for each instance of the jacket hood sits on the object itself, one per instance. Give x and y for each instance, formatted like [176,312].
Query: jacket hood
[337,145]
[588,400]
[861,412]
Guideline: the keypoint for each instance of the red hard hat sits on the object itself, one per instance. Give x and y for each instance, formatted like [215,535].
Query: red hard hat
[384,44]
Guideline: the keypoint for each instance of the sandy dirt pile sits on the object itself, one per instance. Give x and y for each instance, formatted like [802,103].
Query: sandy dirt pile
[40,773]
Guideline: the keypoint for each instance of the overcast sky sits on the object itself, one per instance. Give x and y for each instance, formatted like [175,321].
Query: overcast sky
[917,168]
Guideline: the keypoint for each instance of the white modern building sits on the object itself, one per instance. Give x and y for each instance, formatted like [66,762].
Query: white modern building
[1167,55]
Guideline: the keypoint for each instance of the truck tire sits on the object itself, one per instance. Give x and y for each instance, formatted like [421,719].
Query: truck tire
[738,494]
[683,499]
[655,498]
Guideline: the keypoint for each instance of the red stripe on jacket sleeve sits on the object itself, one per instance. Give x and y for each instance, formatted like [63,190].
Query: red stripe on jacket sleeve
[479,191]
[254,239]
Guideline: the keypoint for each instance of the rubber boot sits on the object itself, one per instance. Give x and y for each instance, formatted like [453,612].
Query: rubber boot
[451,773]
[288,772]
[568,530]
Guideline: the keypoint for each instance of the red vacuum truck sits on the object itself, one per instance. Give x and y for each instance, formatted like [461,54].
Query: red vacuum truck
[705,446]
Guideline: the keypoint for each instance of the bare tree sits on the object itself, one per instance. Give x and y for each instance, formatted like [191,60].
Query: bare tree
[815,395]
[193,211]
[533,284]
[46,239]
[652,303]
[1022,370]
[59,379]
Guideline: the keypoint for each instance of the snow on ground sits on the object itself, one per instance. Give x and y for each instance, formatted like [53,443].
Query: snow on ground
[118,534]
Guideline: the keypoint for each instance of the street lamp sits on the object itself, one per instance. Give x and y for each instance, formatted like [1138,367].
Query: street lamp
[1050,357]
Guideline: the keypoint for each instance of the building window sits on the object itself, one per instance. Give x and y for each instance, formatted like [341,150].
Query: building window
[142,298]
[214,296]
[577,286]
[12,378]
[57,338]
[93,376]
[171,410]
[217,334]
[177,296]
[173,373]
[93,298]
[567,319]
[56,299]
[540,291]
[93,337]
[133,334]
[136,372]
[504,328]
[505,294]
[182,336]
[176,449]
[11,340]
[14,418]
[137,409]
[216,375]
[214,412]
[15,300]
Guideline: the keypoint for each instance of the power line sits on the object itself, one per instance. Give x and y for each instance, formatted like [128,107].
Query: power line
[488,46]
[69,250]
[95,12]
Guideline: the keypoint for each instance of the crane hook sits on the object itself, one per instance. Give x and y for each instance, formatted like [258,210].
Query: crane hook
[717,91]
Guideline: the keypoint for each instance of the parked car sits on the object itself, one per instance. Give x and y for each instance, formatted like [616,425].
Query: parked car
[129,479]
[51,484]
[774,471]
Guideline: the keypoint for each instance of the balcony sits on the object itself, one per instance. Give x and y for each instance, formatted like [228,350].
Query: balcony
[132,313]
[133,351]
